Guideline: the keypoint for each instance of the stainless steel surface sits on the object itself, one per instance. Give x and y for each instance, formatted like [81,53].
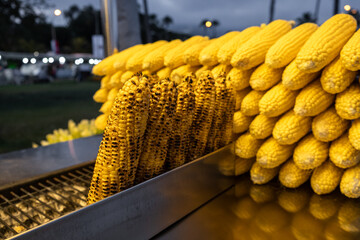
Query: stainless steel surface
[143,211]
[109,25]
[19,166]
[249,211]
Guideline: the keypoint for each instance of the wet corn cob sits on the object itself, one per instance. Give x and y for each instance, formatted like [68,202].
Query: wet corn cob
[180,137]
[246,146]
[271,154]
[191,55]
[292,176]
[252,52]
[335,78]
[326,178]
[350,53]
[342,153]
[179,73]
[290,128]
[239,96]
[277,101]
[347,103]
[294,79]
[285,49]
[265,77]
[240,78]
[354,134]
[349,184]
[241,122]
[158,131]
[262,126]
[310,152]
[260,175]
[203,114]
[312,100]
[120,147]
[328,125]
[250,103]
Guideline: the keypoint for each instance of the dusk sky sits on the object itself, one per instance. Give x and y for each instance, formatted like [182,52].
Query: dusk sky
[232,14]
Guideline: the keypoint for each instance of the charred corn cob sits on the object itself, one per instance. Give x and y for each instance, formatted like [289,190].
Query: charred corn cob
[335,78]
[155,59]
[260,175]
[239,96]
[328,125]
[347,103]
[285,49]
[291,127]
[208,56]
[121,60]
[349,184]
[250,103]
[175,57]
[325,43]
[229,48]
[271,154]
[326,178]
[200,70]
[342,153]
[265,77]
[277,100]
[101,95]
[350,53]
[179,140]
[246,146]
[262,126]
[203,115]
[220,69]
[292,176]
[119,150]
[164,73]
[294,79]
[312,100]
[191,55]
[179,73]
[241,122]
[239,78]
[158,131]
[252,52]
[354,134]
[310,152]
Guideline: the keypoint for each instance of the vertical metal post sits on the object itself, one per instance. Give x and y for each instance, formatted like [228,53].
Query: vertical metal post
[272,7]
[146,22]
[106,15]
[336,6]
[316,12]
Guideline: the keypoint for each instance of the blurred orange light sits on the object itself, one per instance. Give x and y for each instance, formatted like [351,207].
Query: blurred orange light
[208,24]
[347,7]
[353,11]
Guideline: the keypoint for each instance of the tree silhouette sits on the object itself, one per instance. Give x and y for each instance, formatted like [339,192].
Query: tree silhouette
[215,24]
[305,17]
[166,21]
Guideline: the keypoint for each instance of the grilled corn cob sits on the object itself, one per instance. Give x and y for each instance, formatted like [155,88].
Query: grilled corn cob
[262,126]
[240,78]
[179,73]
[349,184]
[326,178]
[292,176]
[347,103]
[342,153]
[191,55]
[220,69]
[200,70]
[350,53]
[354,134]
[250,103]
[239,96]
[260,175]
[265,77]
[294,79]
[246,146]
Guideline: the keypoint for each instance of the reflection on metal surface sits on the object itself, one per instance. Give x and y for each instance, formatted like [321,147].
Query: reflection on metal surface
[248,211]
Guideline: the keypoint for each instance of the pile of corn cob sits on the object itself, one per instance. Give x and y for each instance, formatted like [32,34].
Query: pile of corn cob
[294,96]
[85,128]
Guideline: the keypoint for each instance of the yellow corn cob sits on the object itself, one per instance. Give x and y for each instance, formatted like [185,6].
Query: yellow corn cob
[182,120]
[119,150]
[179,73]
[328,125]
[342,153]
[265,77]
[245,208]
[326,178]
[175,57]
[325,43]
[240,78]
[335,78]
[312,100]
[112,94]
[292,176]
[294,79]
[164,73]
[323,207]
[208,56]
[247,146]
[271,218]
[155,59]
[348,216]
[293,200]
[347,103]
[350,53]
[310,152]
[250,103]
[277,100]
[239,96]
[291,127]
[191,54]
[158,130]
[115,80]
[203,115]
[106,107]
[305,227]
[349,184]
[252,52]
[262,193]
[120,62]
[271,154]
[241,122]
[100,95]
[354,134]
[100,121]
[261,127]
[229,48]
[126,76]
[200,70]
[285,49]
[260,175]
[220,69]
[243,165]
[105,82]
[135,62]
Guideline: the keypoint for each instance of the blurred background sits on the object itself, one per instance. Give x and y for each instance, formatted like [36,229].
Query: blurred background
[48,48]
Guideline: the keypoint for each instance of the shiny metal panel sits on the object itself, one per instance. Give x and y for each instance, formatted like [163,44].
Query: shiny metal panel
[19,166]
[144,210]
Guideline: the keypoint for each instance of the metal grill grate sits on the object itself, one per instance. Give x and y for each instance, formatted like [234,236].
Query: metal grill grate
[30,205]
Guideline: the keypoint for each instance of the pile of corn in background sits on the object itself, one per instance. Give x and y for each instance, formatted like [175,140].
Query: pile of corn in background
[294,90]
